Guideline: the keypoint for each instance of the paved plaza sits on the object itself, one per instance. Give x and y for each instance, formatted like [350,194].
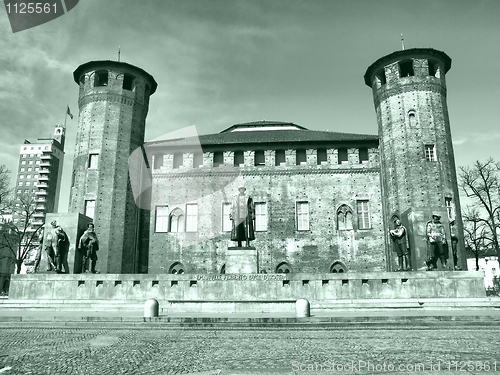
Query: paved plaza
[107,348]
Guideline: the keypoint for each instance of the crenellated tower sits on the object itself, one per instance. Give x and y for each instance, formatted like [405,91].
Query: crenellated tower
[418,174]
[113,103]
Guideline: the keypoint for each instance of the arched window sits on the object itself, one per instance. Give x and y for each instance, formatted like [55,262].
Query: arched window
[338,267]
[412,119]
[223,269]
[344,217]
[283,267]
[176,268]
[176,221]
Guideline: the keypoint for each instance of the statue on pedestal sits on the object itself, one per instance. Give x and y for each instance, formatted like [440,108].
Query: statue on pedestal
[89,245]
[243,217]
[436,238]
[454,243]
[399,236]
[57,247]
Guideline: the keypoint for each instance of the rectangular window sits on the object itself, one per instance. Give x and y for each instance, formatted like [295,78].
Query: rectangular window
[178,160]
[260,216]
[157,161]
[21,176]
[28,183]
[449,208]
[430,153]
[363,155]
[23,162]
[363,215]
[280,157]
[218,158]
[191,217]
[301,157]
[128,82]
[101,78]
[89,208]
[197,159]
[259,158]
[161,220]
[22,169]
[20,183]
[238,158]
[321,155]
[302,210]
[343,158]
[433,68]
[226,221]
[406,68]
[93,161]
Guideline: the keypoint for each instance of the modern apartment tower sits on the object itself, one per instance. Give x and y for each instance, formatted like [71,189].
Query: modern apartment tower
[39,175]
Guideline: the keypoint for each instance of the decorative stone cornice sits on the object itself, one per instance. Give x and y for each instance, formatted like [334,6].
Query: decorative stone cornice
[108,97]
[288,172]
[385,93]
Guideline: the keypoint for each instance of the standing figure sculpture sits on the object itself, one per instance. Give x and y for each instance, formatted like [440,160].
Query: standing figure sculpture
[57,248]
[436,238]
[399,236]
[39,251]
[89,245]
[243,217]
[454,243]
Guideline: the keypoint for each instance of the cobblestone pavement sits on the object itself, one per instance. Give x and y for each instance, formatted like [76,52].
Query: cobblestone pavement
[107,349]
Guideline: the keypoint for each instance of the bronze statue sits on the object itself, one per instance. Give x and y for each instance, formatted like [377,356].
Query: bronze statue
[399,236]
[39,251]
[243,217]
[89,245]
[60,246]
[454,243]
[436,239]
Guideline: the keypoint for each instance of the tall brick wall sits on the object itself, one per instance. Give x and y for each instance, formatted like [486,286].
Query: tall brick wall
[412,113]
[111,125]
[326,187]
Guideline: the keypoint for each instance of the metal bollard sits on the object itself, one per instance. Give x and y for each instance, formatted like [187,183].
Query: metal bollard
[302,308]
[151,308]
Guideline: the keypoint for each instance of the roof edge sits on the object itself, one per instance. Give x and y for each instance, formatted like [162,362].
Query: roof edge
[89,65]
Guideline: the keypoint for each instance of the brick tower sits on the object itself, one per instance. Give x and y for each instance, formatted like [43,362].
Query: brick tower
[418,174]
[113,102]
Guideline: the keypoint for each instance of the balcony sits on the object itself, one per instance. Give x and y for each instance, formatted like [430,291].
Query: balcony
[39,214]
[44,171]
[43,178]
[41,185]
[46,157]
[41,192]
[40,208]
[44,164]
[40,199]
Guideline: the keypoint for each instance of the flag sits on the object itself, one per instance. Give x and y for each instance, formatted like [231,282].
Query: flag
[68,112]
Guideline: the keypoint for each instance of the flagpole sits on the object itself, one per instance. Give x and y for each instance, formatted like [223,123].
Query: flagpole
[65,117]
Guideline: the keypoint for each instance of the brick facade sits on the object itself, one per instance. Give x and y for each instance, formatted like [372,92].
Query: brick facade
[113,101]
[328,199]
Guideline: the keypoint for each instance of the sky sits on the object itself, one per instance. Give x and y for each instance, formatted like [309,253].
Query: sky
[222,62]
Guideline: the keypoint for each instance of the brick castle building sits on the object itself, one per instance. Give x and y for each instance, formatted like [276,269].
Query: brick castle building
[324,201]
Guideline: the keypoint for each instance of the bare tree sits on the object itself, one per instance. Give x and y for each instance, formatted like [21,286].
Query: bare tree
[481,183]
[20,236]
[474,233]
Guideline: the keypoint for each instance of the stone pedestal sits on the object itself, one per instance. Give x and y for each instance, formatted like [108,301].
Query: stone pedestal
[242,260]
